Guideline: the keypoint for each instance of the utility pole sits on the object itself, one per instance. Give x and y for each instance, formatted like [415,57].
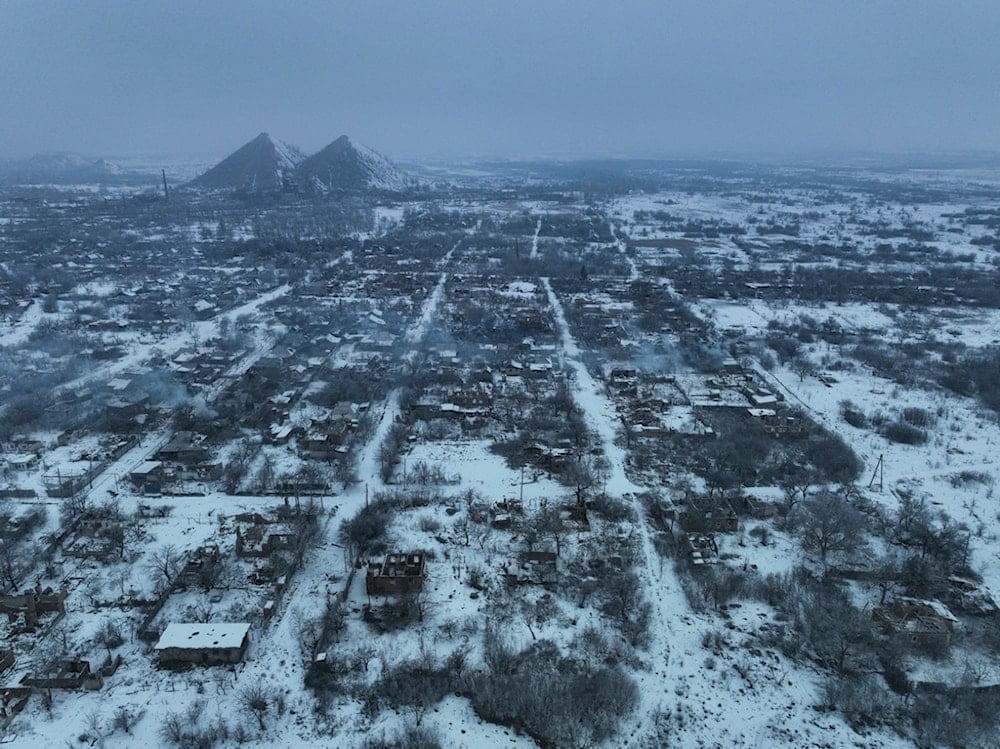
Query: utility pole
[879,473]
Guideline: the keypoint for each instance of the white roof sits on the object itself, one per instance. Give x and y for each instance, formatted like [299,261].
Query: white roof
[147,466]
[281,430]
[119,383]
[197,635]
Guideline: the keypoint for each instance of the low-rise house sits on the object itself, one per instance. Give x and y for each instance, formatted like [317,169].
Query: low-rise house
[397,573]
[70,675]
[147,472]
[917,620]
[533,567]
[702,549]
[184,448]
[280,433]
[708,516]
[260,541]
[205,643]
[204,310]
[22,461]
[346,411]
[786,426]
[31,603]
[197,568]
[763,399]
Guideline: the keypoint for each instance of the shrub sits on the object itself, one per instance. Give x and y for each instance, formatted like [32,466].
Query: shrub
[971,477]
[556,700]
[411,737]
[833,459]
[917,417]
[853,415]
[859,699]
[903,433]
[365,532]
[612,510]
[430,524]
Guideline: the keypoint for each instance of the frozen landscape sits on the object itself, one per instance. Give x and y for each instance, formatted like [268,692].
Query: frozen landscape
[623,454]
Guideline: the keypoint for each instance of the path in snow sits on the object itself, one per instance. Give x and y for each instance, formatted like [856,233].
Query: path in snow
[152,443]
[633,272]
[419,329]
[369,475]
[662,587]
[20,331]
[139,354]
[534,241]
[313,578]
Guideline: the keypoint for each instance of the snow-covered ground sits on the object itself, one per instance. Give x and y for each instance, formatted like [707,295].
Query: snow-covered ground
[704,679]
[772,704]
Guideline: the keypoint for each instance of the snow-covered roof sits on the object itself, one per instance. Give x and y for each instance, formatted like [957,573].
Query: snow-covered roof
[932,605]
[281,431]
[147,466]
[119,383]
[199,635]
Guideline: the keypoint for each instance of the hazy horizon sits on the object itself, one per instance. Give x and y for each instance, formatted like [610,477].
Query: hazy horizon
[448,79]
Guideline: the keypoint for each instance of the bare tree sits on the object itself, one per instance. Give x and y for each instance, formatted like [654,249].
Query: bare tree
[582,474]
[165,563]
[254,698]
[16,561]
[794,487]
[110,636]
[837,633]
[803,367]
[125,718]
[549,522]
[18,552]
[830,527]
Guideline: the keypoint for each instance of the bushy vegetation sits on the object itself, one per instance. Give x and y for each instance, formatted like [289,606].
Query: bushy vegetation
[976,374]
[904,433]
[557,700]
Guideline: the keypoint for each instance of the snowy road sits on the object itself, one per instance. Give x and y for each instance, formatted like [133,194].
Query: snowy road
[20,331]
[534,241]
[633,272]
[369,475]
[313,583]
[140,353]
[152,442]
[664,591]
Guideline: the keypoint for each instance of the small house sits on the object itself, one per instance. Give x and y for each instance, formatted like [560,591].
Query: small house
[149,471]
[397,573]
[708,515]
[205,643]
[917,620]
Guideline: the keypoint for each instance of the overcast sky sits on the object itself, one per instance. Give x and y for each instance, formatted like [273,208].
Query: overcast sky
[511,78]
